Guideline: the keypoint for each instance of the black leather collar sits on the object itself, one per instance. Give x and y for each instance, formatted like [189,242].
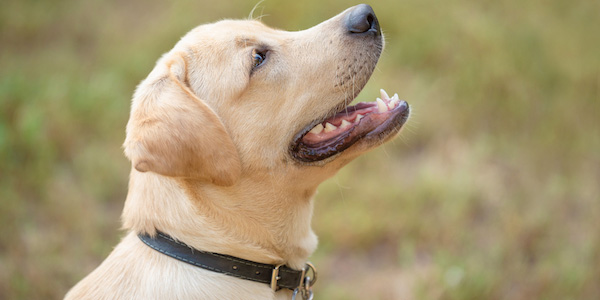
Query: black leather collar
[277,276]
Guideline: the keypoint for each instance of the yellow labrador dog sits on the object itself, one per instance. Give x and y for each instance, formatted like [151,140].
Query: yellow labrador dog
[229,137]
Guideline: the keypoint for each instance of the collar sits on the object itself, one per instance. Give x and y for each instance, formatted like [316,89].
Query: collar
[277,276]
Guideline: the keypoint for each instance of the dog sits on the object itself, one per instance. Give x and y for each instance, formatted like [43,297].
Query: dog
[229,137]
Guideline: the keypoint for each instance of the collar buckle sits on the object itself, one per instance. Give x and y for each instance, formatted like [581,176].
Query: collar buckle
[304,289]
[275,277]
[309,282]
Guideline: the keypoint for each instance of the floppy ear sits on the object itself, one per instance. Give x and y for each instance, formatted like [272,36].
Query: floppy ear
[173,133]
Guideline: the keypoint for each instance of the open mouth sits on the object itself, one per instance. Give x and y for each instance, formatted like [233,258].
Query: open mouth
[366,120]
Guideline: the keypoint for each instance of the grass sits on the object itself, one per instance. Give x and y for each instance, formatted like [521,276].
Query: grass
[490,193]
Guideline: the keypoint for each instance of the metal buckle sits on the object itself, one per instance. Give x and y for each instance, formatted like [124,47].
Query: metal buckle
[314,271]
[306,283]
[275,277]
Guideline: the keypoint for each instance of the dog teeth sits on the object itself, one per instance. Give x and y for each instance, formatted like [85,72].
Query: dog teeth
[317,129]
[393,103]
[394,100]
[345,124]
[329,127]
[384,95]
[381,106]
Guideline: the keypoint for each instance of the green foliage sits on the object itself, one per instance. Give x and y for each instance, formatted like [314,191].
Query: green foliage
[491,192]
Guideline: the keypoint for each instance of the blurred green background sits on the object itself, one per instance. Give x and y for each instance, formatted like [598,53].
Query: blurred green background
[491,192]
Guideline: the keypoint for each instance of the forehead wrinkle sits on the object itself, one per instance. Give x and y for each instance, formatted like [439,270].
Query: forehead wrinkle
[244,41]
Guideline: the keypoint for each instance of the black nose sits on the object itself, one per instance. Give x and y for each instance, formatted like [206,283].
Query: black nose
[362,19]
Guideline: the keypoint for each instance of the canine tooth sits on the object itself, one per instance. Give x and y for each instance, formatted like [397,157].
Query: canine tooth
[358,117]
[345,124]
[395,99]
[384,95]
[317,129]
[381,106]
[329,127]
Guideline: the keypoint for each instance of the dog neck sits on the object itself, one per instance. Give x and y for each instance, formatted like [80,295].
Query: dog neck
[260,218]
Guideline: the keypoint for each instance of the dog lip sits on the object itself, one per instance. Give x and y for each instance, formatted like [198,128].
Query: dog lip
[375,124]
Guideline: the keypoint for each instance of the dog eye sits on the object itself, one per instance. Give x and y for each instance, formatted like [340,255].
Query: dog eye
[258,58]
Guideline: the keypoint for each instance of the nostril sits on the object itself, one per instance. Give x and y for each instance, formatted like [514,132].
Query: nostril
[370,21]
[362,19]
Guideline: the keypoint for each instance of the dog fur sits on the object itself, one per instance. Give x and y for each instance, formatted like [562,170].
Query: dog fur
[209,142]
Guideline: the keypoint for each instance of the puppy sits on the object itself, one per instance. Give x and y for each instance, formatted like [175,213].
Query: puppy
[229,137]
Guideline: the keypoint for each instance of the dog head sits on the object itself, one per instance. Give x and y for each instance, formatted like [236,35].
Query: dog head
[234,98]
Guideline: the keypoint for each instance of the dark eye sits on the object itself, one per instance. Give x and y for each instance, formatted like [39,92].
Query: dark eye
[258,57]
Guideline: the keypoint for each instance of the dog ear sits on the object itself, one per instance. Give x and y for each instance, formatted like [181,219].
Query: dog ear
[173,133]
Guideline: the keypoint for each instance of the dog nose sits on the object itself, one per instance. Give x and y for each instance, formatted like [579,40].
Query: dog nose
[362,19]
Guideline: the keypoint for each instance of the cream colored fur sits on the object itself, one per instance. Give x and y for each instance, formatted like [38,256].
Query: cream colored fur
[209,149]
